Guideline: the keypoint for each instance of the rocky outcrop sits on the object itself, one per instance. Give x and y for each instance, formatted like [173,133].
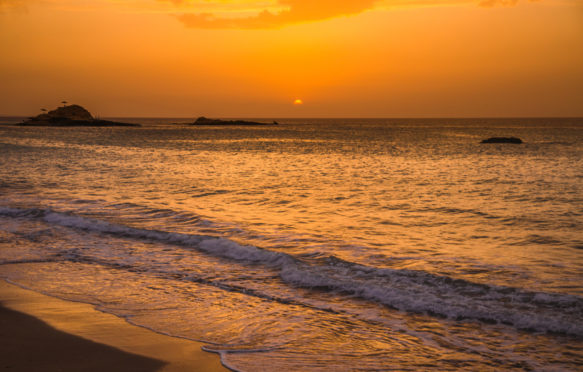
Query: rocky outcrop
[206,121]
[512,140]
[71,116]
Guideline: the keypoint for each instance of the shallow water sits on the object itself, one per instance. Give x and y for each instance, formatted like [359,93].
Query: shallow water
[313,245]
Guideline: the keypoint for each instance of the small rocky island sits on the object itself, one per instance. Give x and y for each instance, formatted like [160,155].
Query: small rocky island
[206,121]
[71,116]
[512,140]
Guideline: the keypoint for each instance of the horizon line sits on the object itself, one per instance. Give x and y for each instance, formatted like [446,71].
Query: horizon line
[321,117]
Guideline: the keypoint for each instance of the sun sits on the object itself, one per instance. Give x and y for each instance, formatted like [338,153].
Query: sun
[298,102]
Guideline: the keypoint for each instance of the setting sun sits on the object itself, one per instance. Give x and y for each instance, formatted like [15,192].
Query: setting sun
[298,102]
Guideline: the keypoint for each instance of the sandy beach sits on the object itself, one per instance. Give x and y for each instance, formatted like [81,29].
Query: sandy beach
[38,332]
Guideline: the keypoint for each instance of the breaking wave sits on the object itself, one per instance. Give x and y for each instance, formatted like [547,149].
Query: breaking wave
[400,289]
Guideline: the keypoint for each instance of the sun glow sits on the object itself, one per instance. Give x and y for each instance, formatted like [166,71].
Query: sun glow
[259,58]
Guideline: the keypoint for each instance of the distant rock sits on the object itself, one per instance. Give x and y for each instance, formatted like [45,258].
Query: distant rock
[206,121]
[513,140]
[71,116]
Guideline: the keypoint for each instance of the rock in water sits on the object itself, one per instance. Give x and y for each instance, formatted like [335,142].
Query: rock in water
[70,116]
[513,140]
[206,121]
[72,112]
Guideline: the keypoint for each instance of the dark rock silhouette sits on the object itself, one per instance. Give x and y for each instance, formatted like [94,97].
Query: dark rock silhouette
[71,116]
[206,121]
[513,140]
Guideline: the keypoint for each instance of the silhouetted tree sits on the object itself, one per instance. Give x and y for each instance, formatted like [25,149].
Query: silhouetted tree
[64,103]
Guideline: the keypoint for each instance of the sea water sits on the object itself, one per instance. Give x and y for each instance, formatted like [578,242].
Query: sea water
[336,244]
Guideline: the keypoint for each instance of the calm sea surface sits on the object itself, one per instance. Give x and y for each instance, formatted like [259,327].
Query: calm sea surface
[330,245]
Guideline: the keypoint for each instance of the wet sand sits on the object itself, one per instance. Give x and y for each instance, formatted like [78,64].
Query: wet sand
[42,333]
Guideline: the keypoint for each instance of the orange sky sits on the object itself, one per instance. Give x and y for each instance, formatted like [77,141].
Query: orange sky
[255,58]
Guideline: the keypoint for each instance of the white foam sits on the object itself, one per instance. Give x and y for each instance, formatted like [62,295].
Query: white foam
[458,300]
[216,246]
[405,290]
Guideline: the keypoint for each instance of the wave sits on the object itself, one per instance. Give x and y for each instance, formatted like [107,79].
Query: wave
[404,290]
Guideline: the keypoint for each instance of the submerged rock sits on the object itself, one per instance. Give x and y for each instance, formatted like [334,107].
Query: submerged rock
[71,116]
[513,140]
[206,121]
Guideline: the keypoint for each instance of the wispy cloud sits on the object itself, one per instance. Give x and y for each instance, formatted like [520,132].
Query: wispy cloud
[492,3]
[298,11]
[295,11]
[12,5]
[248,14]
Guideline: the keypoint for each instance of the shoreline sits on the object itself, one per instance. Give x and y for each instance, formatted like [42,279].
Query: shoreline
[39,332]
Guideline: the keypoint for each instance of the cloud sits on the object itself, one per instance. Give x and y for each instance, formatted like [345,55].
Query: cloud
[252,14]
[294,11]
[493,3]
[6,5]
[281,13]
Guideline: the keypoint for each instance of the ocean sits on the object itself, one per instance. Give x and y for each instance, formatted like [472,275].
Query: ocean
[313,245]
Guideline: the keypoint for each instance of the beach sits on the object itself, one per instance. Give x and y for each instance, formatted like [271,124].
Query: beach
[38,332]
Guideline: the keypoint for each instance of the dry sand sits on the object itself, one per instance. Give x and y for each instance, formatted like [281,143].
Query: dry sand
[42,333]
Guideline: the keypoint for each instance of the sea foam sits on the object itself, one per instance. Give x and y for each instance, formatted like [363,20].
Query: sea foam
[400,289]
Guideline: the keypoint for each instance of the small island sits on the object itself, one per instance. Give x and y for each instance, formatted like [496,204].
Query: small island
[512,140]
[71,116]
[206,121]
